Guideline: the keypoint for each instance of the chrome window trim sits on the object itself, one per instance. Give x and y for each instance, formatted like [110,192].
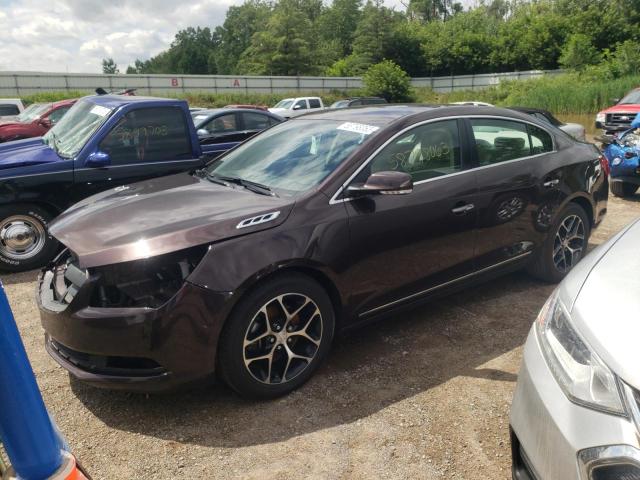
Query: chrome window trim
[335,200]
[436,287]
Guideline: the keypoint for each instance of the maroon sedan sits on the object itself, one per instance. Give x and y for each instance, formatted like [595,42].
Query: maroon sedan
[34,121]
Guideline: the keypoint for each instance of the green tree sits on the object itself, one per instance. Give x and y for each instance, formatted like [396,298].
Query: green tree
[388,80]
[339,22]
[109,66]
[282,48]
[578,52]
[373,35]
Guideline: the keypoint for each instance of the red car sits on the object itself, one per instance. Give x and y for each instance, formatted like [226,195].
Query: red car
[34,121]
[619,117]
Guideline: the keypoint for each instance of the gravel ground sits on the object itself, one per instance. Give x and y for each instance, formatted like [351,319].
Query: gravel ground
[424,394]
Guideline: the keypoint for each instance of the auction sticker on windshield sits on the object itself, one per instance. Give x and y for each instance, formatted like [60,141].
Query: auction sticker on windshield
[358,128]
[100,110]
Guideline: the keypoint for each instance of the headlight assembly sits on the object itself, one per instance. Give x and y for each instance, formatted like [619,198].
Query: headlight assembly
[601,117]
[583,377]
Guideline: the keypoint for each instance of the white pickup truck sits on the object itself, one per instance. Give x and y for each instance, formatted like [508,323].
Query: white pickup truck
[292,107]
[10,107]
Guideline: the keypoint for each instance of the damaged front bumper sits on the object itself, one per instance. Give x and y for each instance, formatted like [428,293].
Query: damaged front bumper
[116,343]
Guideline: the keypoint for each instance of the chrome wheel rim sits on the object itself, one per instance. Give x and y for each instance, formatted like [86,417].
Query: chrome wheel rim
[282,338]
[21,237]
[568,243]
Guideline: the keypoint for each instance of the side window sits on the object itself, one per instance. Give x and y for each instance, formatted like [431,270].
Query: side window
[355,103]
[500,140]
[148,135]
[541,141]
[427,151]
[314,103]
[255,121]
[541,117]
[9,110]
[301,104]
[222,124]
[57,114]
[273,121]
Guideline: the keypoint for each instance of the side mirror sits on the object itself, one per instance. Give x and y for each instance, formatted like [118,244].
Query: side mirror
[383,183]
[605,139]
[202,132]
[45,122]
[98,160]
[297,107]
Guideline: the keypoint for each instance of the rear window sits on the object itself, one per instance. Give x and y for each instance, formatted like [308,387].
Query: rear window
[9,110]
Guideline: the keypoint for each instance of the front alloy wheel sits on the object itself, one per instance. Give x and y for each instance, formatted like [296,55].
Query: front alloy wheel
[276,337]
[569,243]
[283,338]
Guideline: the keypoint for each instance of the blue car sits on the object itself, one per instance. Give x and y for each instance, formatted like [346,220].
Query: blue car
[103,142]
[221,129]
[623,154]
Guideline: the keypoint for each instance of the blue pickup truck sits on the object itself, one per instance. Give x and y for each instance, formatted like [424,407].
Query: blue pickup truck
[103,142]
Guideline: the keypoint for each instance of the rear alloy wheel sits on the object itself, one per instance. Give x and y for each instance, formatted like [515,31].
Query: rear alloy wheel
[276,337]
[564,246]
[24,240]
[623,189]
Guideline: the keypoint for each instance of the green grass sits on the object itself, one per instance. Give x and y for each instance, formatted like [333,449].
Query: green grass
[562,94]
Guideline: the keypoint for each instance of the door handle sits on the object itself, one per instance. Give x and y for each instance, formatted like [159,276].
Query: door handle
[551,183]
[461,210]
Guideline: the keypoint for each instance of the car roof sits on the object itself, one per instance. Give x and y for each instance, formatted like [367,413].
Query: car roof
[382,115]
[214,111]
[59,103]
[531,110]
[114,101]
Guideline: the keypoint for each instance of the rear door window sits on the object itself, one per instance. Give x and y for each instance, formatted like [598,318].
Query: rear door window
[9,110]
[148,135]
[255,121]
[499,140]
[314,103]
[222,124]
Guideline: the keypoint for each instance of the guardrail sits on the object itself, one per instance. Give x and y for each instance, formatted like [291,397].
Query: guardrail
[19,84]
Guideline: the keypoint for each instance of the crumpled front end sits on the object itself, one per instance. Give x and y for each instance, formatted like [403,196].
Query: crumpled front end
[139,326]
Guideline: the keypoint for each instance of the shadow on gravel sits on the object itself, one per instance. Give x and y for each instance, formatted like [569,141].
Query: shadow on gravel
[16,278]
[372,368]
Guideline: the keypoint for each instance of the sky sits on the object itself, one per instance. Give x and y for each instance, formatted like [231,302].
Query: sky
[75,35]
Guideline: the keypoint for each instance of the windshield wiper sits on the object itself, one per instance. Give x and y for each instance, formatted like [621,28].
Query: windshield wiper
[248,184]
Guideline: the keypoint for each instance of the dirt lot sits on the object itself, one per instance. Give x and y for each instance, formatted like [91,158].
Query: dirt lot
[422,395]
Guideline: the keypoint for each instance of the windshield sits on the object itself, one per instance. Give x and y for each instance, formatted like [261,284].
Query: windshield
[32,112]
[631,97]
[71,133]
[286,103]
[340,104]
[293,156]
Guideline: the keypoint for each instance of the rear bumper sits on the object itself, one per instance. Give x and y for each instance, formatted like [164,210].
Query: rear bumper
[138,349]
[627,179]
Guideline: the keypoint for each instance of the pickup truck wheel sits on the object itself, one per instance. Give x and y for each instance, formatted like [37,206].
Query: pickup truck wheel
[24,241]
[623,189]
[565,245]
[276,337]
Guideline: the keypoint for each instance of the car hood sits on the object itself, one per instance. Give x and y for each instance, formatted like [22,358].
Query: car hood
[31,151]
[606,309]
[624,108]
[159,216]
[279,111]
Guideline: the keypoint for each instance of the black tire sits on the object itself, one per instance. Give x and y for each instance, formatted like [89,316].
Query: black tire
[623,189]
[544,266]
[18,251]
[266,378]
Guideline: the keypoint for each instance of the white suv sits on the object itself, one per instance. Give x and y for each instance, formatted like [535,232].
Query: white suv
[292,107]
[10,107]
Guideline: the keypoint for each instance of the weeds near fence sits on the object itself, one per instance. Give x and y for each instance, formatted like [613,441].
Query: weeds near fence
[569,93]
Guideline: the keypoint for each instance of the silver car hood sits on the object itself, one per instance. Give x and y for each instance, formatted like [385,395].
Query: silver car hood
[606,310]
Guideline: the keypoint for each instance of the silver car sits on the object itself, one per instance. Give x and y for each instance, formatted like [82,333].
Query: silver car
[575,412]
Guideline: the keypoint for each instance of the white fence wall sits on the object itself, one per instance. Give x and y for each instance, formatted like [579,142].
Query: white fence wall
[18,84]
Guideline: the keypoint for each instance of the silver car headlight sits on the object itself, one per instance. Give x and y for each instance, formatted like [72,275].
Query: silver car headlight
[601,117]
[581,374]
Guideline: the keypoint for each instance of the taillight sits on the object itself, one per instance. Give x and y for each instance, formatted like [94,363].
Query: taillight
[604,163]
